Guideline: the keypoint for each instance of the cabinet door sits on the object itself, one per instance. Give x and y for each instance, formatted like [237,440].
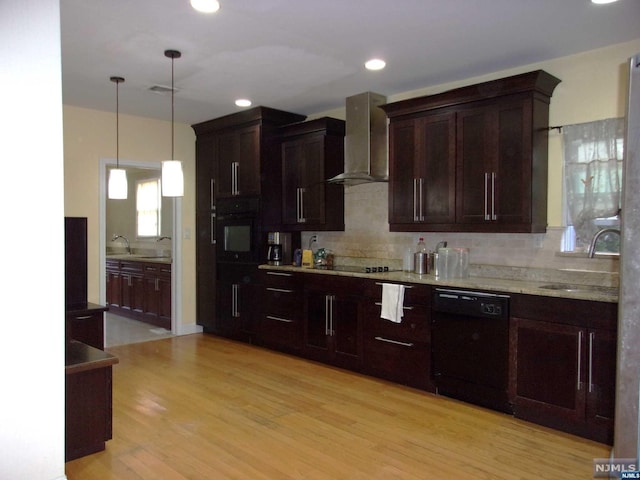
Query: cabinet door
[164,302]
[206,299]
[227,156]
[438,168]
[226,321]
[114,288]
[313,180]
[512,164]
[206,149]
[601,348]
[248,169]
[317,323]
[494,165]
[550,370]
[292,165]
[238,156]
[344,330]
[403,172]
[476,144]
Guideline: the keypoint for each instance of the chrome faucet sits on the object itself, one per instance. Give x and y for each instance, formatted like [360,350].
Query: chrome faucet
[594,240]
[115,237]
[163,238]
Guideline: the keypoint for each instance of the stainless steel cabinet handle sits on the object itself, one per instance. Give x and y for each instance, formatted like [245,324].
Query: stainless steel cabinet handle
[302,218]
[331,300]
[213,229]
[281,290]
[280,274]
[395,342]
[591,339]
[298,204]
[278,319]
[403,307]
[580,335]
[234,300]
[327,307]
[415,199]
[421,199]
[234,178]
[83,317]
[486,196]
[493,196]
[157,284]
[212,191]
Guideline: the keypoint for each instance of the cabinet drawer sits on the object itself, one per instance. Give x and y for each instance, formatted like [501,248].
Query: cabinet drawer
[286,280]
[131,267]
[413,328]
[403,363]
[413,293]
[279,301]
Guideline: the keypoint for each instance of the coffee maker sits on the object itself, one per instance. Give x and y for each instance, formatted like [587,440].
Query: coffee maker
[279,248]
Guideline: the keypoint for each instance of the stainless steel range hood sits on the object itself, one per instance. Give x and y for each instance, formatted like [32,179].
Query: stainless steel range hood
[365,142]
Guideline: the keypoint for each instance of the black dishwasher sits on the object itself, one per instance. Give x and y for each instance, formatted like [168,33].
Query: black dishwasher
[470,346]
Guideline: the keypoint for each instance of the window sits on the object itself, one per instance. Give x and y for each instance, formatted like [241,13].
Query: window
[593,155]
[148,208]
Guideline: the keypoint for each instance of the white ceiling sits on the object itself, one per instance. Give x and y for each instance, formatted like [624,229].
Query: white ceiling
[306,56]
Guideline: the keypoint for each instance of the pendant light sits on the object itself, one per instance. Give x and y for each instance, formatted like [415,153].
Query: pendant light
[117,188]
[172,177]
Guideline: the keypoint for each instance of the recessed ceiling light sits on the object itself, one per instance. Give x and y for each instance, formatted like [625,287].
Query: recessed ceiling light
[206,6]
[243,102]
[375,64]
[602,2]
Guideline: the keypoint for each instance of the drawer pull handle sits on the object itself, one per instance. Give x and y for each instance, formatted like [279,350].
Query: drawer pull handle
[84,317]
[280,290]
[403,307]
[280,274]
[278,319]
[406,286]
[395,342]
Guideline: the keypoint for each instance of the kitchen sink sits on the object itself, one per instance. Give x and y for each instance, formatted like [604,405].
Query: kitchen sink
[580,288]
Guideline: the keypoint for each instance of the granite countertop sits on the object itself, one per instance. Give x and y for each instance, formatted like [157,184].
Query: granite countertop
[508,280]
[139,257]
[80,357]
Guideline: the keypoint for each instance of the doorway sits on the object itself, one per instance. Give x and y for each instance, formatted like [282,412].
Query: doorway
[175,217]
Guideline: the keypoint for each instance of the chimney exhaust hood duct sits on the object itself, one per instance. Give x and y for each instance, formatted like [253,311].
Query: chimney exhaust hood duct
[365,142]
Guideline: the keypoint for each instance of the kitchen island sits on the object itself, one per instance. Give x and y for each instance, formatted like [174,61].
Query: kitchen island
[88,389]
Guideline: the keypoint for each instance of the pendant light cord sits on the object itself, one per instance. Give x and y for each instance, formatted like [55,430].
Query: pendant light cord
[117,81]
[172,54]
[172,108]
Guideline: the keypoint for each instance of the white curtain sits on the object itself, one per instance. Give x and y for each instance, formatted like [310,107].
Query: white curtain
[593,173]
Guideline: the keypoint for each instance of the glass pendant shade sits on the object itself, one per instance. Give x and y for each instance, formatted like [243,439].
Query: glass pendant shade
[172,179]
[117,188]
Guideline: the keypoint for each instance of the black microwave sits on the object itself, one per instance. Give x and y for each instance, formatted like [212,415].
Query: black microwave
[237,235]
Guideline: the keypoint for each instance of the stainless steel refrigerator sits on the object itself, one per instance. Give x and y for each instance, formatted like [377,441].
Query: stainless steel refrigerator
[627,431]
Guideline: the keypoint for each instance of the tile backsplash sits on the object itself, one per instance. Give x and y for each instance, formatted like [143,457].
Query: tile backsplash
[367,235]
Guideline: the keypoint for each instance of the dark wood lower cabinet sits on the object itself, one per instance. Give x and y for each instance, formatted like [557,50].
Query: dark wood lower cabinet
[400,352]
[564,365]
[140,290]
[562,352]
[86,324]
[88,402]
[332,327]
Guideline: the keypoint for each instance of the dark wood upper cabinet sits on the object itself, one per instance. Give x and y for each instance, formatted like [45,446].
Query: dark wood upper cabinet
[312,152]
[473,158]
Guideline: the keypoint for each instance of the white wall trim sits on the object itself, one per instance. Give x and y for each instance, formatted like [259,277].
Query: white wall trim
[176,242]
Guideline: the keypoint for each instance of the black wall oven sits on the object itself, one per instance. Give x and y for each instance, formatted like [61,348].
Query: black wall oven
[237,230]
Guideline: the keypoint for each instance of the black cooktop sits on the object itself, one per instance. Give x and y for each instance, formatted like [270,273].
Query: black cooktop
[360,269]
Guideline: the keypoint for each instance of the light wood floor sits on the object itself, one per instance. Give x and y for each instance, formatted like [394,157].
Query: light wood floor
[200,407]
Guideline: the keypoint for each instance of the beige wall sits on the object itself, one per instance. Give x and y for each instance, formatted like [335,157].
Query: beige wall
[89,136]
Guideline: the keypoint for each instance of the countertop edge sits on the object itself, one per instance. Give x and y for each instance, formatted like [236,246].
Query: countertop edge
[525,287]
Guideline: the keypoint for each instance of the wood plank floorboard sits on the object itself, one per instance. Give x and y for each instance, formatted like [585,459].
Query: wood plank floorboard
[201,407]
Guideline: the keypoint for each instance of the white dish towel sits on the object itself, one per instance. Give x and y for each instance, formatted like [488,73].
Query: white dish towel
[392,302]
